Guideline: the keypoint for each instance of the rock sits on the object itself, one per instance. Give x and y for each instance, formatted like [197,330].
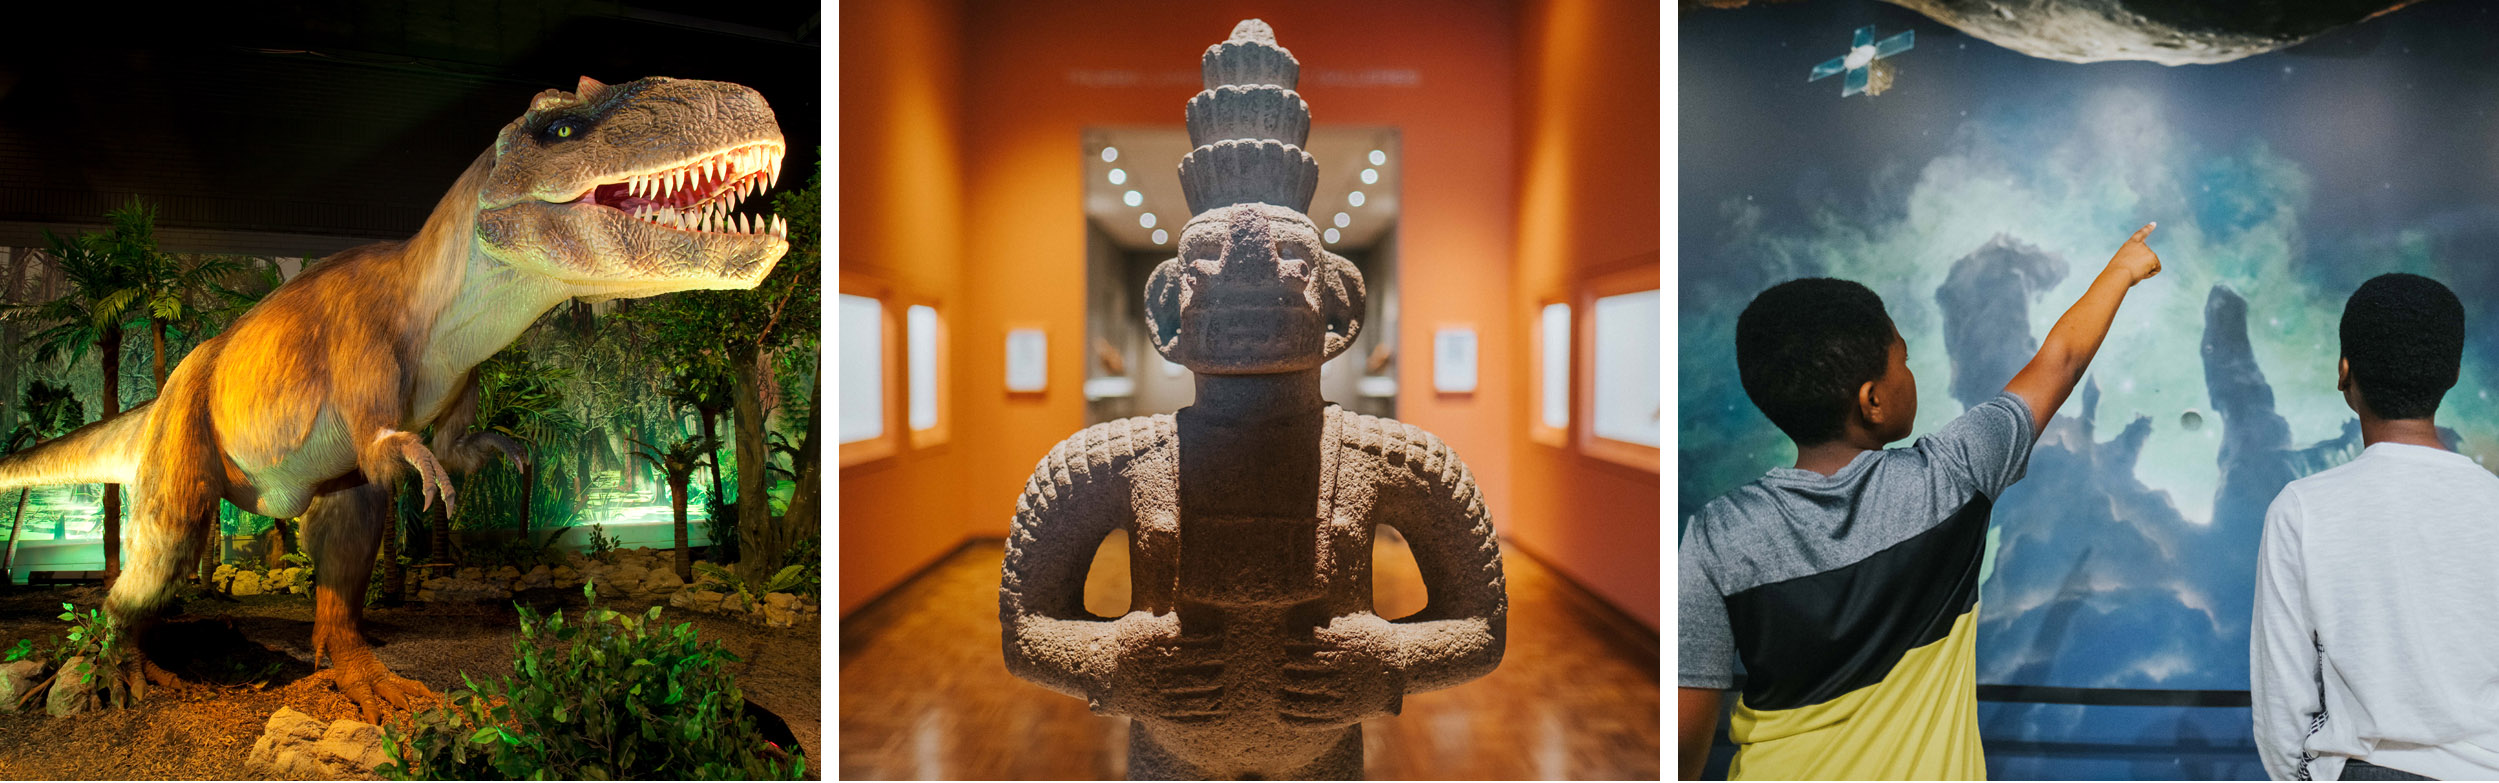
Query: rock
[565,576]
[2169,33]
[662,582]
[472,573]
[629,577]
[780,610]
[245,583]
[607,586]
[466,590]
[696,599]
[69,691]
[538,577]
[296,745]
[15,679]
[505,574]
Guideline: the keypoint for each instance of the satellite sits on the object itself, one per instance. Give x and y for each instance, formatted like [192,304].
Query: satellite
[1865,74]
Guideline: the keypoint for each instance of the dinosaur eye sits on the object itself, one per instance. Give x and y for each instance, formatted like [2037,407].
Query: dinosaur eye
[565,128]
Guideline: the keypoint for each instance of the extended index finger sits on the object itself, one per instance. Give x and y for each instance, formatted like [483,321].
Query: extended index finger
[2145,232]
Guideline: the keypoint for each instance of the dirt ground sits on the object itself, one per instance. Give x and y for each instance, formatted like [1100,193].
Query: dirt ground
[206,731]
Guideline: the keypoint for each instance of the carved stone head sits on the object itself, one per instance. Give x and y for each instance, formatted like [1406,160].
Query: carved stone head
[1254,291]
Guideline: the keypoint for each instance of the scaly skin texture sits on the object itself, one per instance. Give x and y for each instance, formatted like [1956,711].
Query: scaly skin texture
[1250,648]
[310,404]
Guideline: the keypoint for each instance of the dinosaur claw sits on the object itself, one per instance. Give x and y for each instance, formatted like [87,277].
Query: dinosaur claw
[429,474]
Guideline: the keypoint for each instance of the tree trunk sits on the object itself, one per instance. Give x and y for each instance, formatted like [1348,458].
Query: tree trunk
[111,347]
[14,520]
[685,552]
[626,471]
[581,472]
[760,539]
[157,343]
[712,435]
[394,575]
[804,503]
[529,493]
[438,545]
[285,540]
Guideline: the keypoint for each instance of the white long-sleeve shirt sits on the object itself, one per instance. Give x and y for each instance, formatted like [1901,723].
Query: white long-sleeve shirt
[2376,633]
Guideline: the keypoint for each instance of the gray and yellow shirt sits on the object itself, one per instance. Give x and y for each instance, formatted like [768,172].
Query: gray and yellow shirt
[1852,601]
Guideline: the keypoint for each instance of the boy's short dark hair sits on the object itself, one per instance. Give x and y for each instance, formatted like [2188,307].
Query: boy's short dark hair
[1804,346]
[2404,337]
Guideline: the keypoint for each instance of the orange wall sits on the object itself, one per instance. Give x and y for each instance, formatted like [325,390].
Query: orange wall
[1024,156]
[1588,206]
[901,214]
[1006,250]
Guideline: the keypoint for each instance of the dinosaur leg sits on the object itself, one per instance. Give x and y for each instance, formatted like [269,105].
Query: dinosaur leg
[173,506]
[343,530]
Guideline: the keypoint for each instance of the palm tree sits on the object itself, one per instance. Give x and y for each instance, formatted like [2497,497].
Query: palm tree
[679,462]
[51,411]
[703,387]
[175,288]
[107,277]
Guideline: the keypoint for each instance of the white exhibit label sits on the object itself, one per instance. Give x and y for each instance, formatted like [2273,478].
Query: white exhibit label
[1453,360]
[1028,365]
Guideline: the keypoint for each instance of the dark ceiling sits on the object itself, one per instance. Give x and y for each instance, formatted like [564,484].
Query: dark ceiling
[251,124]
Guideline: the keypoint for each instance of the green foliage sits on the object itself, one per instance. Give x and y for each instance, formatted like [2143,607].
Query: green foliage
[720,524]
[795,578]
[807,556]
[618,696]
[24,648]
[601,546]
[303,578]
[523,552]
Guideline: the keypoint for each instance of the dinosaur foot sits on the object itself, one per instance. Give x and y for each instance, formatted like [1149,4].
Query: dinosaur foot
[140,675]
[374,688]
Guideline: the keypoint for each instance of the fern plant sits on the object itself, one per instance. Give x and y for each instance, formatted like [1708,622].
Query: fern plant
[616,696]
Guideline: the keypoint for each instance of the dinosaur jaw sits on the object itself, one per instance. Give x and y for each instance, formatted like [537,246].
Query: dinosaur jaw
[700,194]
[670,228]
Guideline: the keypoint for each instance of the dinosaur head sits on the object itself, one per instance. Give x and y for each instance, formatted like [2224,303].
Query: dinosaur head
[1253,291]
[632,189]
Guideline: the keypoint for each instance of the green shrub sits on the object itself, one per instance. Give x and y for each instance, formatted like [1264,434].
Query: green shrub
[616,697]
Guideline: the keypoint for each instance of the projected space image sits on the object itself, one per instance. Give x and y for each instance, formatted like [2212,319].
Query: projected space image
[1979,189]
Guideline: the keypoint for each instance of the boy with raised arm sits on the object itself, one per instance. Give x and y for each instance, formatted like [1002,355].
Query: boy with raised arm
[1848,584]
[2375,646]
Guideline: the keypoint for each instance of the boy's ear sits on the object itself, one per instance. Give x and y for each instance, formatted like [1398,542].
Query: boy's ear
[2342,375]
[1870,405]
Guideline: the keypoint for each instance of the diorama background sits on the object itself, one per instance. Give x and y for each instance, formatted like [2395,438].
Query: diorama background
[1981,195]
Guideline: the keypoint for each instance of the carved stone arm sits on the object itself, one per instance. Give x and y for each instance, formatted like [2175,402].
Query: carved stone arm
[1459,635]
[1074,499]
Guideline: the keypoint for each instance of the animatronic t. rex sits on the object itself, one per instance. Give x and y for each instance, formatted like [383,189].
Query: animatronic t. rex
[1251,649]
[310,403]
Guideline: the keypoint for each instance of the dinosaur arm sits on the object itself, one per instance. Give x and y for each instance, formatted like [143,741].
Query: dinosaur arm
[1074,499]
[1458,636]
[463,451]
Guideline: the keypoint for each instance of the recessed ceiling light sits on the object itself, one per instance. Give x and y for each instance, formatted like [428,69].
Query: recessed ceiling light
[1133,198]
[1369,177]
[1331,236]
[1112,153]
[1343,219]
[1146,220]
[1378,158]
[1119,176]
[1354,198]
[1161,236]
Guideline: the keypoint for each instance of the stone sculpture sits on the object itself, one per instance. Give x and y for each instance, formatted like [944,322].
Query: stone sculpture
[1251,648]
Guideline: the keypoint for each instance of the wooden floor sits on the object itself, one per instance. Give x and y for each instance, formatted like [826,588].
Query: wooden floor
[925,693]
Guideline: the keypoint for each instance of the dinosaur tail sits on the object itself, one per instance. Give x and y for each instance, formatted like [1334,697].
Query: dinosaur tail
[106,452]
